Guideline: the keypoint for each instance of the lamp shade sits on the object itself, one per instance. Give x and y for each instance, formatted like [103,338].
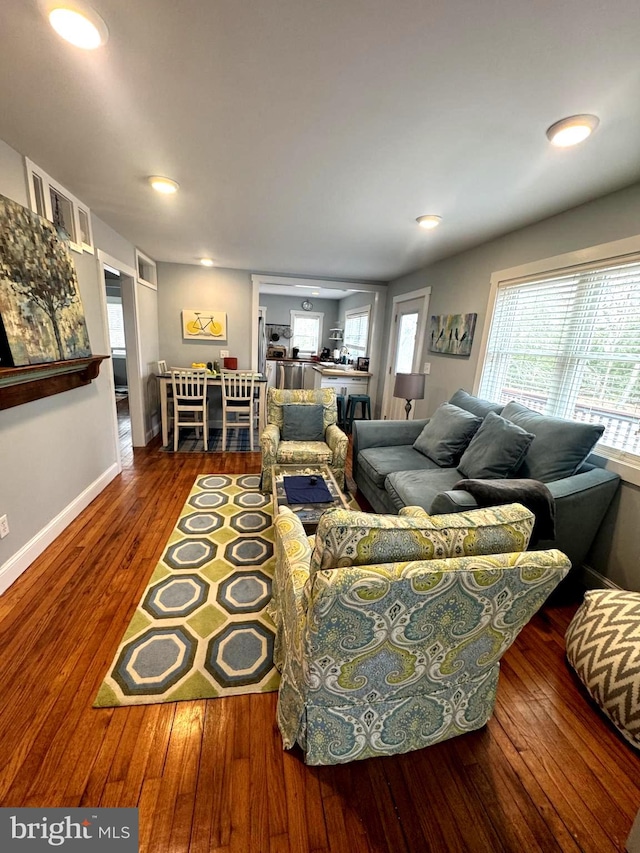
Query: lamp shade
[409,386]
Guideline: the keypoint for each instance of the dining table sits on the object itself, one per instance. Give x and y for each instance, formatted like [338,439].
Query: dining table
[213,381]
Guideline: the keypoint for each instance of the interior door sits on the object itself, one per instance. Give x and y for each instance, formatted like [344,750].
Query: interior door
[405,351]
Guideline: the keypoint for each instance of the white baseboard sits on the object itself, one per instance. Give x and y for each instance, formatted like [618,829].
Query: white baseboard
[594,580]
[22,559]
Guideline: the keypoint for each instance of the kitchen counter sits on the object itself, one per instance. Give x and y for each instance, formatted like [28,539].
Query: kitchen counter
[337,371]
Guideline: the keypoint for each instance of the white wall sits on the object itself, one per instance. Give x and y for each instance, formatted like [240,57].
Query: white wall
[460,285]
[194,287]
[57,453]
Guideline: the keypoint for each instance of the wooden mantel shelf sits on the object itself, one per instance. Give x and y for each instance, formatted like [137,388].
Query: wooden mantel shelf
[24,384]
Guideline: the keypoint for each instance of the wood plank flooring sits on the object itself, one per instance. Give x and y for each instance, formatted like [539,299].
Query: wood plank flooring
[547,773]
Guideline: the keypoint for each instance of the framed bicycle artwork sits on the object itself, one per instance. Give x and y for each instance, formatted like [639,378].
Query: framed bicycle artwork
[203,324]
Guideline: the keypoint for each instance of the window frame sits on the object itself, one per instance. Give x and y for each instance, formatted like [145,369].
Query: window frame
[47,183]
[351,313]
[627,250]
[319,315]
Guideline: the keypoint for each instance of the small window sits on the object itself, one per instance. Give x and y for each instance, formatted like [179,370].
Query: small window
[147,272]
[84,224]
[356,330]
[307,331]
[38,196]
[116,324]
[62,213]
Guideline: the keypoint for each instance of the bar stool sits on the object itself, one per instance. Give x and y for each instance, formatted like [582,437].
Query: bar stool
[342,414]
[365,408]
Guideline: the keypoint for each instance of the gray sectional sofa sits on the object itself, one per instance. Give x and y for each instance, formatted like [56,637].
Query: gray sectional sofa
[391,473]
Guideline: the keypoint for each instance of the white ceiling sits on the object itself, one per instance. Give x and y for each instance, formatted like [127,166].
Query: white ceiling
[307,135]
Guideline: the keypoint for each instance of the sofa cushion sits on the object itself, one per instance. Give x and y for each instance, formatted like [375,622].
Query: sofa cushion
[603,646]
[447,434]
[377,462]
[559,446]
[475,405]
[301,452]
[419,488]
[355,538]
[302,422]
[495,450]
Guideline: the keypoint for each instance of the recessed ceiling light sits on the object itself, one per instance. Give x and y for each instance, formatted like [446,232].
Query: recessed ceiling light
[206,262]
[77,24]
[163,185]
[315,293]
[429,221]
[572,130]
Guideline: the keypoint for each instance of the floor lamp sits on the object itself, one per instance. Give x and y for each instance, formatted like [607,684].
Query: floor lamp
[409,386]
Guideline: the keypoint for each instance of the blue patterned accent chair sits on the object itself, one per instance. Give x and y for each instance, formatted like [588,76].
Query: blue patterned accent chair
[390,629]
[332,451]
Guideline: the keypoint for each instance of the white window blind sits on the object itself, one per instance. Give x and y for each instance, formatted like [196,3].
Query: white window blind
[356,331]
[570,346]
[116,325]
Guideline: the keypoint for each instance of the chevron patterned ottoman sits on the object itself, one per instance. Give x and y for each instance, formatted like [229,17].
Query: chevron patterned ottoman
[603,646]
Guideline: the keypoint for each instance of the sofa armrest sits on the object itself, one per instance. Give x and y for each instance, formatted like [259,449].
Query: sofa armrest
[581,502]
[383,434]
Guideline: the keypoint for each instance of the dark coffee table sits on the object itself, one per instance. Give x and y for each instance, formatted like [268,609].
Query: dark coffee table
[309,514]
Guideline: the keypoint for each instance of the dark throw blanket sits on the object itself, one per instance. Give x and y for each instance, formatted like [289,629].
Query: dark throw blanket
[531,493]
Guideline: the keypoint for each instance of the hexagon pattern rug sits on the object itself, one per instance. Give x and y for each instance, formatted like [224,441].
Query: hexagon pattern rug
[201,630]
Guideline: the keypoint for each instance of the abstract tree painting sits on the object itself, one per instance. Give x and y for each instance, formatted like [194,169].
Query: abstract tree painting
[452,334]
[41,313]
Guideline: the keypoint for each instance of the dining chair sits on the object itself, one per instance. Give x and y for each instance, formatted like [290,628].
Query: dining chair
[189,402]
[238,398]
[162,367]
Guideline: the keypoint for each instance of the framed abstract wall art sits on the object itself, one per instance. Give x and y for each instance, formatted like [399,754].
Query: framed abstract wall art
[203,324]
[41,314]
[452,334]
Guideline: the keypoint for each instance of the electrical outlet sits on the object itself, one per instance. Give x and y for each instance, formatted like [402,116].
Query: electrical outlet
[427,368]
[4,526]
[224,353]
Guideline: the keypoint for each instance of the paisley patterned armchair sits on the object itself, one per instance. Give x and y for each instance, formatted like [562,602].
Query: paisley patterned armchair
[390,630]
[332,451]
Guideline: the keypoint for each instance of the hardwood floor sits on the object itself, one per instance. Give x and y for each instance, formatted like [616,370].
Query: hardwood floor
[547,773]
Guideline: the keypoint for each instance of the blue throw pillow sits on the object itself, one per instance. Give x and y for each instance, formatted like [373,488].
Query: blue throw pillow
[560,446]
[496,450]
[447,434]
[301,422]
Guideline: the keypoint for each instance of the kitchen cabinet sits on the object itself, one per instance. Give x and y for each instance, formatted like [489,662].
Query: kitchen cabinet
[344,382]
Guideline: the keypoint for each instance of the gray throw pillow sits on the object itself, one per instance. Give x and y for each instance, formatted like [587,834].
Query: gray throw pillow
[559,447]
[302,422]
[496,450]
[476,405]
[447,434]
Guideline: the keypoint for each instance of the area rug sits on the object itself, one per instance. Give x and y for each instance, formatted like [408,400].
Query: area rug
[201,630]
[237,441]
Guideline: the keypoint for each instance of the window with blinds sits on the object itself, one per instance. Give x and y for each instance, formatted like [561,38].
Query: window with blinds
[569,345]
[356,331]
[307,331]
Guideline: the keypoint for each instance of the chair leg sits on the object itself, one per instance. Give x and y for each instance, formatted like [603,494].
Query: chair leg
[205,429]
[176,431]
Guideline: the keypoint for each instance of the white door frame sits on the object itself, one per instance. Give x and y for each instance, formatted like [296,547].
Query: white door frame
[134,358]
[425,293]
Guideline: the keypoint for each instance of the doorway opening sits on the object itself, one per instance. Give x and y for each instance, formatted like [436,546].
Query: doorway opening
[113,281]
[408,328]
